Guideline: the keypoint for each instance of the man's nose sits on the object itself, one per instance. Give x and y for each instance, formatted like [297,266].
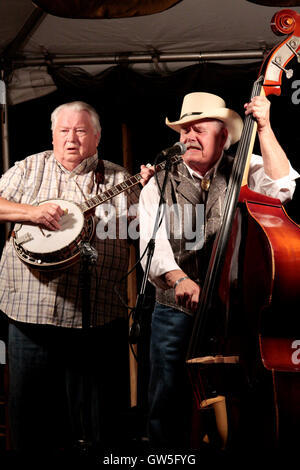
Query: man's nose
[71,137]
[191,134]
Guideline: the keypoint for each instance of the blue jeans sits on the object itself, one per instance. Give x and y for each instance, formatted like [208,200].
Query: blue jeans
[65,386]
[170,396]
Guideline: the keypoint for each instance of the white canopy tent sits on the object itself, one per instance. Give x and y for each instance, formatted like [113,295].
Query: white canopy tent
[190,32]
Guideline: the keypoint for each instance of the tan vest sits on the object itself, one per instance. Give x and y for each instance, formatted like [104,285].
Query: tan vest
[182,191]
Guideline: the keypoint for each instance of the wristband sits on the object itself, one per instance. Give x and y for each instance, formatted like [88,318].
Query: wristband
[179,281]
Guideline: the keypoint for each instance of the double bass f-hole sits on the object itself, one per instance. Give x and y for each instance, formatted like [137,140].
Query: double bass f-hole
[244,367]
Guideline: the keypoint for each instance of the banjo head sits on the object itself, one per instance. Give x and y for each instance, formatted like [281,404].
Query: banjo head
[43,241]
[42,248]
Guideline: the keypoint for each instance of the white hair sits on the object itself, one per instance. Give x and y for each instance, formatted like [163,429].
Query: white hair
[222,125]
[77,106]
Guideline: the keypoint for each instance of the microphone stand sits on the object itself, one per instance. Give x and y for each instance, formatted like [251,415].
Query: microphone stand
[135,329]
[88,258]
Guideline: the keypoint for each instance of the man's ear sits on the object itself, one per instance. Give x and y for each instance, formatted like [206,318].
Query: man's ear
[224,136]
[98,138]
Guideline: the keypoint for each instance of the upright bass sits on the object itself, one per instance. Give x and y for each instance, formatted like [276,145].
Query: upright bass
[244,355]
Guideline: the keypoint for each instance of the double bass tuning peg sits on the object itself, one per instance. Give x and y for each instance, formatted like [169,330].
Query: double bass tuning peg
[292,45]
[288,72]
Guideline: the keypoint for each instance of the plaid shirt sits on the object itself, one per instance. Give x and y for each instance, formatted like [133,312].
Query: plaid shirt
[54,298]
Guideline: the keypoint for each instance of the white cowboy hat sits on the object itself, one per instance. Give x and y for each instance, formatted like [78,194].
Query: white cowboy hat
[201,105]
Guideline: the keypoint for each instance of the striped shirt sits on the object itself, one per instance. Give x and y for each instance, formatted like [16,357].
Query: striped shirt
[54,297]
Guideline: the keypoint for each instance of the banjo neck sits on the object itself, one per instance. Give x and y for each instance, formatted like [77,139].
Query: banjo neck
[95,201]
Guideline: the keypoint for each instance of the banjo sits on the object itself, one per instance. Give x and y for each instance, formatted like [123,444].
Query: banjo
[44,249]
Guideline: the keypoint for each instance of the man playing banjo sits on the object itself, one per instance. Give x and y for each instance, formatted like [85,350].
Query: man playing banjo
[44,307]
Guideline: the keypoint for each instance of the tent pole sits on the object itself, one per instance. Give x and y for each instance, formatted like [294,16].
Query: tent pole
[4,125]
[143,58]
[4,136]
[132,280]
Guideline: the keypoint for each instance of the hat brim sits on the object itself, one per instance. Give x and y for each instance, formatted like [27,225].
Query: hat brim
[231,119]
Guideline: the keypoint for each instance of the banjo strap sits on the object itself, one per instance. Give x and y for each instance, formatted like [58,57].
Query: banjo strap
[99,173]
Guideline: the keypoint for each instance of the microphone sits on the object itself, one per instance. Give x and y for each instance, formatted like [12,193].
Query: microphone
[178,149]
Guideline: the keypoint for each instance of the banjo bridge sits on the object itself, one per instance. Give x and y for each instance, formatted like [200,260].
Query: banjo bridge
[27,237]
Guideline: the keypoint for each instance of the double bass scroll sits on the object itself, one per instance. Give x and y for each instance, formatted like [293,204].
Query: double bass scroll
[247,321]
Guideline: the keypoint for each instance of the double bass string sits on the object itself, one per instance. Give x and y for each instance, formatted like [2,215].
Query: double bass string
[243,148]
[218,252]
